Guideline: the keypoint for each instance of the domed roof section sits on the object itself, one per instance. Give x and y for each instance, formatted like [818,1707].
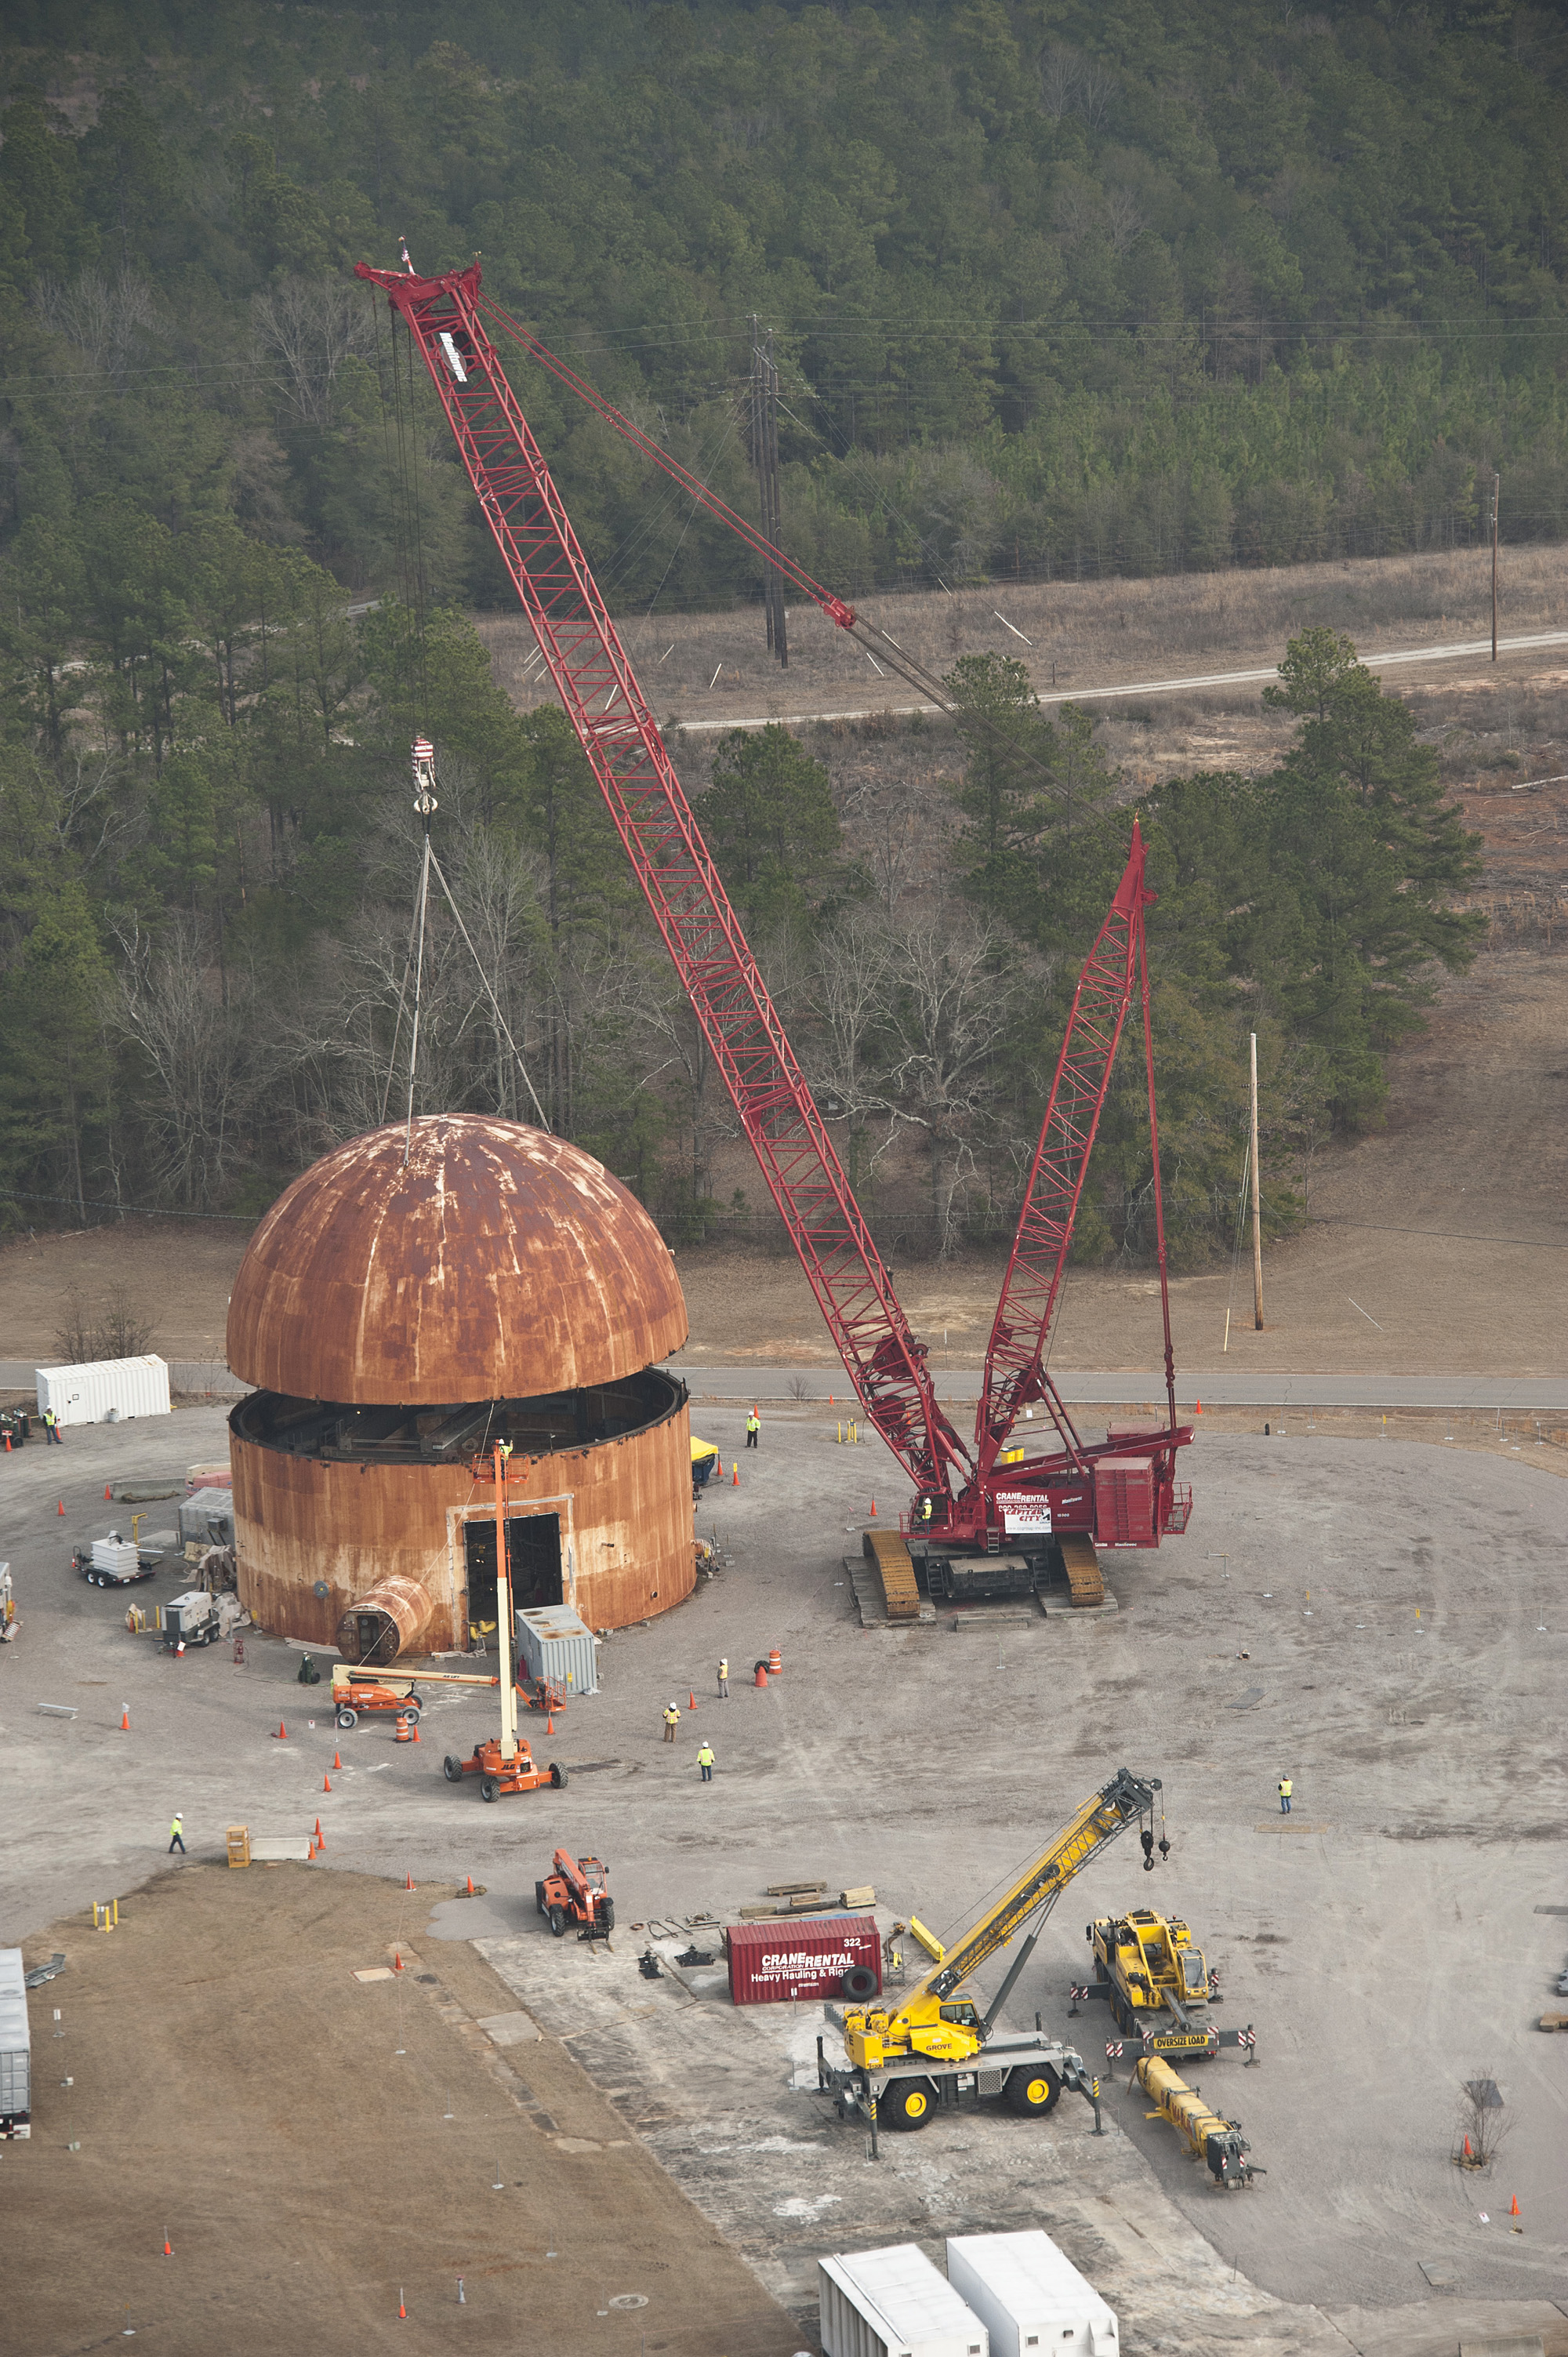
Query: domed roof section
[497,1262]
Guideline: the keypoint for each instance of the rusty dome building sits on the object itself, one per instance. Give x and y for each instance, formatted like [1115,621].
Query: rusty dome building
[413,1298]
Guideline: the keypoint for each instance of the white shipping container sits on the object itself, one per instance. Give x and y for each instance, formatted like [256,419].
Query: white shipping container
[1030,2296]
[105,1391]
[553,1643]
[15,2045]
[894,2303]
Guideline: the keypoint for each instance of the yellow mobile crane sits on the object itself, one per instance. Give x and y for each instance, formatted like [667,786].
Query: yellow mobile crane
[937,2049]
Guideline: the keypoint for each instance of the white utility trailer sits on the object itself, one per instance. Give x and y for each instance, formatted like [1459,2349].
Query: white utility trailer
[1029,2295]
[894,2303]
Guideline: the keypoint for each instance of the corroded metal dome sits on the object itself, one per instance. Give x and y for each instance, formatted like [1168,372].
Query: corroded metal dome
[497,1262]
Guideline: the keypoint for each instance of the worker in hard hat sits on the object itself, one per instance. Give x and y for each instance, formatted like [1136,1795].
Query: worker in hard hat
[724,1679]
[753,1428]
[177,1836]
[672,1721]
[705,1761]
[1286,1789]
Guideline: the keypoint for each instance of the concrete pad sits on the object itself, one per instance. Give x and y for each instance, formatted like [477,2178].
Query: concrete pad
[509,2029]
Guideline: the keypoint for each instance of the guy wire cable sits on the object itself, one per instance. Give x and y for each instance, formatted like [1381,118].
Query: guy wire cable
[489,994]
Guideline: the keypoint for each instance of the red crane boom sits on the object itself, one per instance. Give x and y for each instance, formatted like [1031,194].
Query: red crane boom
[446,317]
[620,736]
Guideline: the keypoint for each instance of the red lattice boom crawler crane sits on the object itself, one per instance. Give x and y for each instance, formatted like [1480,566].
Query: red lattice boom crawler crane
[974,1503]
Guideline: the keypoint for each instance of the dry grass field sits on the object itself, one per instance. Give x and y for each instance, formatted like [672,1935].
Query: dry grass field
[1085,633]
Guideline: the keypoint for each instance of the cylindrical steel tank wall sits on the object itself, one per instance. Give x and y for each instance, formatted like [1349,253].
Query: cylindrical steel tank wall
[304,1526]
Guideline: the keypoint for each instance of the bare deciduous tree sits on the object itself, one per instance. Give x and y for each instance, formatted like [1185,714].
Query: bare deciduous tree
[305,328]
[104,317]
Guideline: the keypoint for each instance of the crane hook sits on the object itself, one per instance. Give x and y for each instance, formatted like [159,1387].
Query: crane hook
[1146,1836]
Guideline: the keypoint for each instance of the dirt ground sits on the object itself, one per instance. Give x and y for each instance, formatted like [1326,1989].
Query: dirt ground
[1382,1619]
[318,2150]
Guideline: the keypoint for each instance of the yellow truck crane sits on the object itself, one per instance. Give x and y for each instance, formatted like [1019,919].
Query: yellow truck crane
[1157,1986]
[935,2049]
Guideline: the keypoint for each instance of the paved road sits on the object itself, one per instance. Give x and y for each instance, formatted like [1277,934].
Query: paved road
[1454,651]
[1517,1394]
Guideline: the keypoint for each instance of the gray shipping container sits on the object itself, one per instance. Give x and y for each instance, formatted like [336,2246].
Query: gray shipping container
[1031,2296]
[16,2047]
[204,1513]
[894,2303]
[554,1643]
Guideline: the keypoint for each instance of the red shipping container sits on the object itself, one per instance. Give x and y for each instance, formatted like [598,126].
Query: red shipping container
[803,1958]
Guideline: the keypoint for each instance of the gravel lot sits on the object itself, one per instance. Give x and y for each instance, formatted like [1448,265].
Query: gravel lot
[1399,1611]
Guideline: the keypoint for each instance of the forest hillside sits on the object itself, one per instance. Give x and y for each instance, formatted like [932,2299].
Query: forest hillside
[1055,290]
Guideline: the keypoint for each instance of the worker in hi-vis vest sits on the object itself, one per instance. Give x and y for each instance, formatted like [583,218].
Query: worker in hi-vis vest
[753,1426]
[706,1762]
[724,1678]
[1286,1789]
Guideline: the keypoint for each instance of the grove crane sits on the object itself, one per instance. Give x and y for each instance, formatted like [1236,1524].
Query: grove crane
[936,2046]
[983,1516]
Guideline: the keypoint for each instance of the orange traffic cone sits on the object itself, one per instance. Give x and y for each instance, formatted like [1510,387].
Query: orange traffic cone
[1198,1410]
[550,1724]
[326,1787]
[108,1490]
[320,1836]
[470,1886]
[873,1510]
[414,1731]
[733,1475]
[126,1720]
[400,2309]
[397,1960]
[282,1733]
[1514,2212]
[310,1851]
[761,1675]
[337,1762]
[408,1884]
[691,1699]
[60,1508]
[168,2247]
[1468,2154]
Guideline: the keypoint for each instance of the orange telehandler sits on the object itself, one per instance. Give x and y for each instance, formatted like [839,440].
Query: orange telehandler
[577,1891]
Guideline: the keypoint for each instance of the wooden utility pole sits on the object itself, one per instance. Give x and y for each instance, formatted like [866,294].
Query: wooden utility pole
[1496,495]
[1257,1207]
[765,459]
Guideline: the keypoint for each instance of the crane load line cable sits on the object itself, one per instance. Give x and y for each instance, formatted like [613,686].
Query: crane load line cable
[858,626]
[501,1022]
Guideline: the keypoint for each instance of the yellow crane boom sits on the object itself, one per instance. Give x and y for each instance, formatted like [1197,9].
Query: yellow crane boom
[927,2022]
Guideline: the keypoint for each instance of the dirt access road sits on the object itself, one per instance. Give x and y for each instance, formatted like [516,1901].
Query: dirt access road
[318,2150]
[1383,1620]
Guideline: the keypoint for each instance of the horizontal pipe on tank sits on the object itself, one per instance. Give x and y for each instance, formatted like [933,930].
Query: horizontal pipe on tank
[550,1425]
[391,1617]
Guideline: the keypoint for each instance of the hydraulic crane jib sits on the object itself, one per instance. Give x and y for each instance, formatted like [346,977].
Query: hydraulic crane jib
[971,1500]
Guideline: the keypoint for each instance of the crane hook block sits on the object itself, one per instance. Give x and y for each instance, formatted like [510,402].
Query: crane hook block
[1147,1838]
[424,758]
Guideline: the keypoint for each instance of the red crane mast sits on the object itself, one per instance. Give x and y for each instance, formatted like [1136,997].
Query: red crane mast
[447,317]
